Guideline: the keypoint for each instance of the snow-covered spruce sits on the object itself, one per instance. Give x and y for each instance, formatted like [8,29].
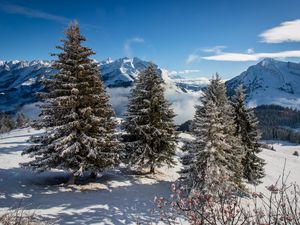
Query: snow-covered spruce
[216,150]
[80,134]
[246,128]
[21,120]
[7,123]
[151,136]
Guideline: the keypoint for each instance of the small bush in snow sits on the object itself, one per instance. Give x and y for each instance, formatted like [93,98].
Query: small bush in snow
[279,206]
[20,217]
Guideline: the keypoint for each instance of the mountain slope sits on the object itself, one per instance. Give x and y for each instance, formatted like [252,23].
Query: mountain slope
[270,82]
[122,72]
[21,80]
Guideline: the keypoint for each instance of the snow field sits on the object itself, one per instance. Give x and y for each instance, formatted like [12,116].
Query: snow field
[118,197]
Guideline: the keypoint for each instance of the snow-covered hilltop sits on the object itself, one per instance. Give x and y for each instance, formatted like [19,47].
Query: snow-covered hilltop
[270,82]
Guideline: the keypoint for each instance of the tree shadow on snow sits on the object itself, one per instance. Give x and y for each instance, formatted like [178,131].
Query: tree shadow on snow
[118,197]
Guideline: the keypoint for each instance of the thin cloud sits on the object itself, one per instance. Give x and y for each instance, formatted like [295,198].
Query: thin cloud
[128,43]
[194,57]
[216,49]
[33,13]
[182,72]
[250,51]
[288,31]
[38,14]
[243,57]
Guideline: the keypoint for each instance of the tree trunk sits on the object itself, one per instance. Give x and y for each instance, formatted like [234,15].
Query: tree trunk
[93,175]
[152,169]
[72,179]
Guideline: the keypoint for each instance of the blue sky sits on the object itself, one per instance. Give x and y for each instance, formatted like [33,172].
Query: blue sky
[192,38]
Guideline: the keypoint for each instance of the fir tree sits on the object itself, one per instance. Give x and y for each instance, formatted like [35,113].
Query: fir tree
[246,127]
[151,139]
[7,123]
[80,134]
[216,151]
[21,120]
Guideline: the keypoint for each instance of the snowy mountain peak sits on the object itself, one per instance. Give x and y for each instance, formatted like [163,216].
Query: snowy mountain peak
[106,61]
[20,80]
[270,82]
[266,61]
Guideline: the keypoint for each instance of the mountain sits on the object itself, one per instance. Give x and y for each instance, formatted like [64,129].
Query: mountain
[122,72]
[270,82]
[21,80]
[191,84]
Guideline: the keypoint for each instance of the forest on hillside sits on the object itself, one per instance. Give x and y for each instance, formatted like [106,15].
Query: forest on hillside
[278,123]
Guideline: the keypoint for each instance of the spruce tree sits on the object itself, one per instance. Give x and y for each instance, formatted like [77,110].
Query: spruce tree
[246,127]
[217,152]
[7,123]
[21,120]
[151,136]
[80,129]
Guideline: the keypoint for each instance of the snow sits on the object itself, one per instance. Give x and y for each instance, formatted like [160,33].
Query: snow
[270,82]
[117,197]
[283,146]
[275,166]
[29,82]
[275,161]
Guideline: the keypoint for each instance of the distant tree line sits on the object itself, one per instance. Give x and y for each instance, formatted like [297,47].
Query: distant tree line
[275,123]
[8,122]
[278,123]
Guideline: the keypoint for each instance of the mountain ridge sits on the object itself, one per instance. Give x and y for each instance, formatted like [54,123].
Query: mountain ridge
[269,82]
[21,80]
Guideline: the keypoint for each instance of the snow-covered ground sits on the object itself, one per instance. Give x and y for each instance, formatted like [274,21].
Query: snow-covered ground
[283,146]
[118,197]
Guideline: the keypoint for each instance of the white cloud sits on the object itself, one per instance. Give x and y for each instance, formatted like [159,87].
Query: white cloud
[216,49]
[288,31]
[193,58]
[129,42]
[182,72]
[16,9]
[242,57]
[250,51]
[119,99]
[182,103]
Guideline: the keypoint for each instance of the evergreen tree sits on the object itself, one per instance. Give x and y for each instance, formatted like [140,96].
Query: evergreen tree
[21,120]
[80,129]
[151,139]
[186,159]
[217,152]
[246,127]
[7,123]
